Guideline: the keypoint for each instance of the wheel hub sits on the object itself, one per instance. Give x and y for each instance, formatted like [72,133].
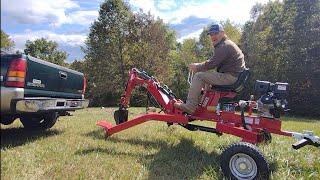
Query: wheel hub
[243,166]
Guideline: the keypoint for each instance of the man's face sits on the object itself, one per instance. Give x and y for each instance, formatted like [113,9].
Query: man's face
[216,37]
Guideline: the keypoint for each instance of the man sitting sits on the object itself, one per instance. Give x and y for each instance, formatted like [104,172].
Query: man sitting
[227,58]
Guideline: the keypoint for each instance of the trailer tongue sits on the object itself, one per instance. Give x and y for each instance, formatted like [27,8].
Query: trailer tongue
[241,160]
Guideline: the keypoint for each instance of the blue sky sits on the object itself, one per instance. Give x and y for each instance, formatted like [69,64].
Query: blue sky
[68,21]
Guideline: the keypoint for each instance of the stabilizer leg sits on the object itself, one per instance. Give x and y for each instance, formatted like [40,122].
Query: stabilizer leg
[110,129]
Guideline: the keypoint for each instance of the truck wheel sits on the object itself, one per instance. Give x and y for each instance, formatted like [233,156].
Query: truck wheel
[7,119]
[39,122]
[244,161]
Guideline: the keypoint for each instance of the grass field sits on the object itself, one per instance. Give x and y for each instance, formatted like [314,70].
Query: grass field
[75,148]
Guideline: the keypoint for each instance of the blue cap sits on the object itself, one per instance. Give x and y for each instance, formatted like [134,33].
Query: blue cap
[215,28]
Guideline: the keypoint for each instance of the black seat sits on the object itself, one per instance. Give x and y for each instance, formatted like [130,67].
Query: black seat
[237,86]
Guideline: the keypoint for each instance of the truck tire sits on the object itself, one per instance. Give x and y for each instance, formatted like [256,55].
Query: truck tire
[39,121]
[244,161]
[7,119]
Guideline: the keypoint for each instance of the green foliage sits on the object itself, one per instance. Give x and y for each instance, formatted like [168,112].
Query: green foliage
[205,43]
[46,50]
[304,55]
[179,70]
[6,42]
[232,30]
[120,40]
[282,43]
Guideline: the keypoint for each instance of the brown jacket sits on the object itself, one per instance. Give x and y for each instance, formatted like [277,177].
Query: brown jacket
[227,58]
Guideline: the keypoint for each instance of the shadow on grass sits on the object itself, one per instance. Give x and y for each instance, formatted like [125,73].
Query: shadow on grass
[184,160]
[96,134]
[13,137]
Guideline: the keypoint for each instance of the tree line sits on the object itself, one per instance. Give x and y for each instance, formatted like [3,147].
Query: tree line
[281,43]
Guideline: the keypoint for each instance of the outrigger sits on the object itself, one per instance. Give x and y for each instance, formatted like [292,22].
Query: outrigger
[242,160]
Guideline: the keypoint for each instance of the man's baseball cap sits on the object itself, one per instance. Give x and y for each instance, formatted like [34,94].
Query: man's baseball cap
[215,28]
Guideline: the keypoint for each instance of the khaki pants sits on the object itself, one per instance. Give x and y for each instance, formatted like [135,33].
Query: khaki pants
[200,80]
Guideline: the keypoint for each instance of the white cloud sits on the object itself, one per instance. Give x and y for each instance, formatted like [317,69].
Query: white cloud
[145,5]
[236,11]
[35,12]
[82,17]
[69,43]
[217,10]
[194,34]
[53,12]
[63,39]
[166,4]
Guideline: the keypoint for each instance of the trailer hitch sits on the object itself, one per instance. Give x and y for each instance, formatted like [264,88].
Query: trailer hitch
[306,138]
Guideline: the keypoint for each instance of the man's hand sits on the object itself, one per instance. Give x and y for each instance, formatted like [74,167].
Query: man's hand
[193,66]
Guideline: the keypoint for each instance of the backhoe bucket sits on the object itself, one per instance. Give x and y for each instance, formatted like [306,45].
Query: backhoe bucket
[121,116]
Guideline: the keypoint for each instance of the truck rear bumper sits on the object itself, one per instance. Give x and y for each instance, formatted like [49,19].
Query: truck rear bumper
[7,95]
[33,105]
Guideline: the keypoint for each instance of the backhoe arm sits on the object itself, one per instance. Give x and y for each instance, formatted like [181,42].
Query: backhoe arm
[163,96]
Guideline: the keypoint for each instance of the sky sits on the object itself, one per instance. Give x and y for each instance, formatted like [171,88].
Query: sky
[68,22]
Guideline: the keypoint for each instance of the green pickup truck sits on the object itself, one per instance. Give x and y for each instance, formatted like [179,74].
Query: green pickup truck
[38,92]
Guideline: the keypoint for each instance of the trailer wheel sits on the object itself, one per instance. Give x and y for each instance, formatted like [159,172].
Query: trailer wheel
[39,121]
[244,161]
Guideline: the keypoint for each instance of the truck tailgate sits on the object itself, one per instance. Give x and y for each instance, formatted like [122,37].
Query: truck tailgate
[51,80]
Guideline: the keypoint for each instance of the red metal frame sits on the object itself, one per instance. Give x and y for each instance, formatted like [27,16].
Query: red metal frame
[226,122]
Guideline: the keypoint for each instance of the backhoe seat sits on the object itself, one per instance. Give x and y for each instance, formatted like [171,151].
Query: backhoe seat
[237,86]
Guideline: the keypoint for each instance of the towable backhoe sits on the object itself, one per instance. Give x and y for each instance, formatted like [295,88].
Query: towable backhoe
[241,160]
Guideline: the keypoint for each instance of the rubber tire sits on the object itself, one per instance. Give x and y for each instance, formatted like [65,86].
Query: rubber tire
[7,119]
[251,150]
[39,121]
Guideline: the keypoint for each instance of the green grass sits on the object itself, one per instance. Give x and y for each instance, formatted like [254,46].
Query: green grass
[75,148]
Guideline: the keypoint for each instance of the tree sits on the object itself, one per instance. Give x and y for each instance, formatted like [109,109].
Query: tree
[258,43]
[304,56]
[232,30]
[205,45]
[185,54]
[6,42]
[46,50]
[281,42]
[119,40]
[105,51]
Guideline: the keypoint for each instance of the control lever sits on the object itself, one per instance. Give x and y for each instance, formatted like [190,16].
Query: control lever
[190,77]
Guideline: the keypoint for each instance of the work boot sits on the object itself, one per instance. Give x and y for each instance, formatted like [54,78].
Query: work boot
[184,107]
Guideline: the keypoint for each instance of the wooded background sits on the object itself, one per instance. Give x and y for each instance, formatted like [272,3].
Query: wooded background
[281,43]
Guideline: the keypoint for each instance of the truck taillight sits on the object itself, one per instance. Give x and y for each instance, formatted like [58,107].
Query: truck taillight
[84,84]
[16,73]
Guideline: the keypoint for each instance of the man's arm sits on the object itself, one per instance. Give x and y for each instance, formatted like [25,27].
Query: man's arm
[220,54]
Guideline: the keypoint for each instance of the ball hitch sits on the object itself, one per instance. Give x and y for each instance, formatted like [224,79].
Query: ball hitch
[306,138]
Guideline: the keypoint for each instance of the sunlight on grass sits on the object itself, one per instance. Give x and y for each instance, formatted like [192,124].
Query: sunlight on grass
[75,148]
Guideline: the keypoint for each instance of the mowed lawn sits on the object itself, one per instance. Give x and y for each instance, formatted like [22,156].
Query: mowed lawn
[75,148]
